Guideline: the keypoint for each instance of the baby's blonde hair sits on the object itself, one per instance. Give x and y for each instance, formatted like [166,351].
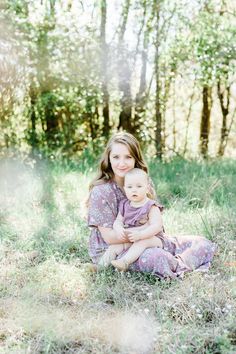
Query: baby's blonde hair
[135,172]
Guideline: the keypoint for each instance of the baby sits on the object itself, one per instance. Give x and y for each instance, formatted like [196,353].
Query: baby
[141,217]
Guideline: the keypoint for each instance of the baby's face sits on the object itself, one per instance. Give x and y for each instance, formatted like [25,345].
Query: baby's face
[136,187]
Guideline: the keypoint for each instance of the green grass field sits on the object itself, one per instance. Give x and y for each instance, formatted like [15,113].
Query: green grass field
[49,303]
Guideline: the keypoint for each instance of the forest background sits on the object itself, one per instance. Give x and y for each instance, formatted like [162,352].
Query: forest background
[73,72]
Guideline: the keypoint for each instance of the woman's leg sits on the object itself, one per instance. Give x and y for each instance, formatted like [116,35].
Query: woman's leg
[156,261]
[195,251]
[180,254]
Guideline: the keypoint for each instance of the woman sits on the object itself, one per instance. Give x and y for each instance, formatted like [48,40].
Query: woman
[179,254]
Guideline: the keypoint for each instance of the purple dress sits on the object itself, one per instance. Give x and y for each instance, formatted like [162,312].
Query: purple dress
[136,216]
[133,217]
[180,254]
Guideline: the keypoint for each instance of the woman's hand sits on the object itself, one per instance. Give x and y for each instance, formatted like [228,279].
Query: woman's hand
[121,234]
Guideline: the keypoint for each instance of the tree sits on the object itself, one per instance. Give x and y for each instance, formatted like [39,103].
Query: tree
[158,114]
[205,119]
[213,50]
[104,63]
[12,73]
[224,104]
[141,96]
[124,75]
[223,81]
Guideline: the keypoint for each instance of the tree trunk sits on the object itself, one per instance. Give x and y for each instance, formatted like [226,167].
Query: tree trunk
[46,79]
[141,95]
[124,74]
[93,120]
[52,123]
[104,61]
[126,99]
[225,112]
[140,99]
[205,120]
[158,114]
[188,118]
[33,134]
[174,131]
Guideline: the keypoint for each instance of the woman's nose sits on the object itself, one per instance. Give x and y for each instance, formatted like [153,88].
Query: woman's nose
[122,163]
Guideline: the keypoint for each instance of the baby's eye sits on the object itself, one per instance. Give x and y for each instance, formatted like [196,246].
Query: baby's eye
[129,157]
[115,157]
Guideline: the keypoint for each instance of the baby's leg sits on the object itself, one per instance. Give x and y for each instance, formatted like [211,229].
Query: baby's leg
[135,251]
[112,252]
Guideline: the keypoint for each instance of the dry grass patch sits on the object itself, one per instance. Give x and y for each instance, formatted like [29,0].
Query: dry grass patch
[57,282]
[200,300]
[76,326]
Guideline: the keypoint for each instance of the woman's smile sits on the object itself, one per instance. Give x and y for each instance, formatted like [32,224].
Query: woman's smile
[123,169]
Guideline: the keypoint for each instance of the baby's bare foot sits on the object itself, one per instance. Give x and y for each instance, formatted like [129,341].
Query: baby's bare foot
[120,264]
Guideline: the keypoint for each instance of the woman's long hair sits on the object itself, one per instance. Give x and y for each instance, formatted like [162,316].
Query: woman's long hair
[105,172]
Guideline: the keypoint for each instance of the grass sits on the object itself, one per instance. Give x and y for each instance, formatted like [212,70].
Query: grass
[50,304]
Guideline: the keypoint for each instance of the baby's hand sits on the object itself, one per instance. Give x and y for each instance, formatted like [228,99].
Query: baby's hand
[134,236]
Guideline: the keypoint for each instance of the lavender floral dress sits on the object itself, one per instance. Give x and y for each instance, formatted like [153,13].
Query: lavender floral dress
[180,254]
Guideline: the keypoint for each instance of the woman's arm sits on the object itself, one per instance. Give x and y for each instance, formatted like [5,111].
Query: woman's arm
[111,237]
[153,228]
[101,213]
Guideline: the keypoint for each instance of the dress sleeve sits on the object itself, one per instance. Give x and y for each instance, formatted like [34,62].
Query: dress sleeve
[100,211]
[122,207]
[160,206]
[154,202]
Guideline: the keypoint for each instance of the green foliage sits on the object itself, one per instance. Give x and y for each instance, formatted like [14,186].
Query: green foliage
[212,41]
[61,84]
[51,100]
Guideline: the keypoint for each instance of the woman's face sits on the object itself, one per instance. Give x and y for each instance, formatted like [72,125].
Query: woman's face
[121,160]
